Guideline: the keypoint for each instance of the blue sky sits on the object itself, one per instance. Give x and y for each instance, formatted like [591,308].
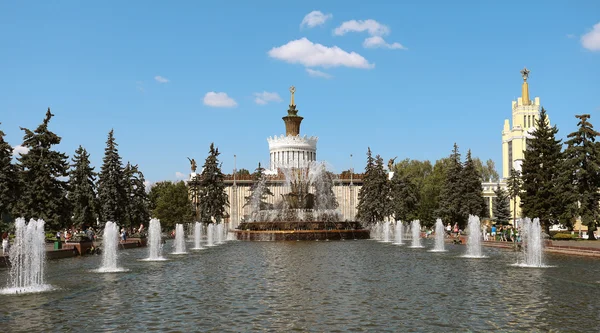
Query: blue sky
[408,78]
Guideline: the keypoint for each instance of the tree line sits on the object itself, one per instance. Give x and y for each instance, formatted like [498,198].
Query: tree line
[44,184]
[449,189]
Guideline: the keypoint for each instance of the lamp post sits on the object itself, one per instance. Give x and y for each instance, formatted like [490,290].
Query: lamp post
[351,170]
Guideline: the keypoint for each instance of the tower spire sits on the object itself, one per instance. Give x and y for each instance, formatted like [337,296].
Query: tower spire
[525,87]
[292,91]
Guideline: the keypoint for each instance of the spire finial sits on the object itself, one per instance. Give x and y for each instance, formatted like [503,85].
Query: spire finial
[292,91]
[525,73]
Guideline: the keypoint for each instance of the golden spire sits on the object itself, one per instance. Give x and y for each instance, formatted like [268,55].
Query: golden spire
[525,88]
[292,90]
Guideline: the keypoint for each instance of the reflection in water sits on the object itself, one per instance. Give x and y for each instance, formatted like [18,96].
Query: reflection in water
[312,286]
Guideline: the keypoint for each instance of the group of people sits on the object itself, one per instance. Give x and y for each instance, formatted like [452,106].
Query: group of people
[501,233]
[68,234]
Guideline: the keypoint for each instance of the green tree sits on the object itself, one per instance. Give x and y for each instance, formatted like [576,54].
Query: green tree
[137,211]
[212,196]
[43,192]
[540,173]
[501,208]
[82,189]
[433,184]
[404,197]
[583,164]
[373,197]
[8,182]
[450,196]
[112,196]
[514,185]
[472,202]
[259,184]
[156,191]
[172,204]
[243,172]
[488,171]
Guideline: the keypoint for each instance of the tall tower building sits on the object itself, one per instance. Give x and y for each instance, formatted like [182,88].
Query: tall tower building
[514,139]
[291,149]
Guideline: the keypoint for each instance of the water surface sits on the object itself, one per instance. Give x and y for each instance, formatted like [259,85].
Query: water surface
[359,286]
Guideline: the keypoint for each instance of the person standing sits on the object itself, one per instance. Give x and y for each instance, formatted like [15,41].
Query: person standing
[5,243]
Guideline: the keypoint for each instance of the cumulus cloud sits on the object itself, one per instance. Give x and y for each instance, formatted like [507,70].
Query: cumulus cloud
[180,175]
[316,73]
[219,100]
[373,27]
[161,79]
[303,51]
[266,97]
[591,40]
[314,19]
[148,185]
[379,42]
[19,150]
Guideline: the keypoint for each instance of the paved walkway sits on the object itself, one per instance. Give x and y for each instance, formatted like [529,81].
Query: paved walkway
[579,248]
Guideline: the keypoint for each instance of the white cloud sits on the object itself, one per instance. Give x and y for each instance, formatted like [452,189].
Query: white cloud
[316,73]
[303,51]
[314,19]
[266,97]
[219,100]
[373,27]
[19,150]
[180,175]
[378,41]
[161,79]
[591,40]
[148,185]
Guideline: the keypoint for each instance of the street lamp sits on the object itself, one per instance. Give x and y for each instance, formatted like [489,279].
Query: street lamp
[351,170]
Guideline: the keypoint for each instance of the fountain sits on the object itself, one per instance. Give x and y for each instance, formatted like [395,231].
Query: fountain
[399,233]
[28,259]
[440,234]
[197,236]
[532,243]
[220,233]
[415,229]
[110,244]
[307,212]
[155,241]
[210,234]
[386,232]
[179,239]
[474,238]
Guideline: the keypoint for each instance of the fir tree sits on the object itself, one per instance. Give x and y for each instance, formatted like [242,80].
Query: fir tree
[8,181]
[212,196]
[540,173]
[450,196]
[501,207]
[43,192]
[582,158]
[472,202]
[137,209]
[514,185]
[373,197]
[258,184]
[111,185]
[404,197]
[82,192]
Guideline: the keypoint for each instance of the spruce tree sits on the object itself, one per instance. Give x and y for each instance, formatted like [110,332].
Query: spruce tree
[82,191]
[258,184]
[472,202]
[212,196]
[112,196]
[373,197]
[450,196]
[514,185]
[404,197]
[501,208]
[137,208]
[43,192]
[540,173]
[582,158]
[8,182]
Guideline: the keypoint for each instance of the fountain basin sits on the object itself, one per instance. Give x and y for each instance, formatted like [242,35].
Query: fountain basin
[300,230]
